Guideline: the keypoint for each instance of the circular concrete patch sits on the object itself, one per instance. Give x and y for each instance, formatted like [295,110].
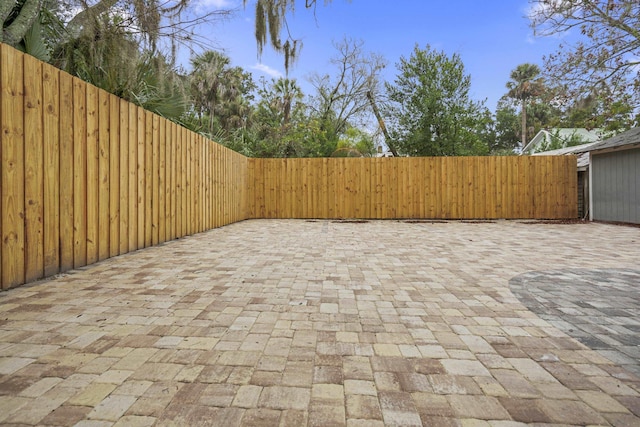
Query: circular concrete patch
[600,308]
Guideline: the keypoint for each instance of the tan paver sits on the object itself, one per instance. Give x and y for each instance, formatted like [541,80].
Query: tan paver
[291,323]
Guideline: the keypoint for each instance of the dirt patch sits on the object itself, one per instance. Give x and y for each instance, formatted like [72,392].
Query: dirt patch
[555,221]
[351,221]
[424,221]
[477,221]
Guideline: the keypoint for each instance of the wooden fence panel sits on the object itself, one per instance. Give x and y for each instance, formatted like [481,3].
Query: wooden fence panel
[86,175]
[438,187]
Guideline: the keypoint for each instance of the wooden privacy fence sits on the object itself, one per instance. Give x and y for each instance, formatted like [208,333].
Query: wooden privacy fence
[428,187]
[87,176]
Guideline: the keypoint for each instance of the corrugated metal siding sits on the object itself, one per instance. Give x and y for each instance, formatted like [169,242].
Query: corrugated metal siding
[616,186]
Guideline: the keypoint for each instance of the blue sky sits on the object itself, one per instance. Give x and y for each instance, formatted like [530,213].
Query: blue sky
[491,36]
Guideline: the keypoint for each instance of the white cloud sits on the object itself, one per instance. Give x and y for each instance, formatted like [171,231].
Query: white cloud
[267,70]
[217,4]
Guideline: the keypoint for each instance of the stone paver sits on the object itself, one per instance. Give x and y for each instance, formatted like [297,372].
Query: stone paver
[598,307]
[290,323]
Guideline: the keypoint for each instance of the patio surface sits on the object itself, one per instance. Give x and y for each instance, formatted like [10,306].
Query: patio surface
[293,322]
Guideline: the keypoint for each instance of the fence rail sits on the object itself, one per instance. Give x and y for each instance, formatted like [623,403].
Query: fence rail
[87,176]
[428,187]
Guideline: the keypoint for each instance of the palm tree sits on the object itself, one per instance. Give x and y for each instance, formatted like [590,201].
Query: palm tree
[287,91]
[525,83]
[218,90]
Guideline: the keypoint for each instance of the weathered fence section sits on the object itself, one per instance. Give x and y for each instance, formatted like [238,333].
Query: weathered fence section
[430,187]
[87,176]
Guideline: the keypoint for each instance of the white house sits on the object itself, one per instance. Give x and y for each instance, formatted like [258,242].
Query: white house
[561,137]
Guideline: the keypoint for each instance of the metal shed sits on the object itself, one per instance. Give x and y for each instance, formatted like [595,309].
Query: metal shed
[614,178]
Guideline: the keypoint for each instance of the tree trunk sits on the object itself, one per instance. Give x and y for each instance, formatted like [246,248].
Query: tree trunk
[15,32]
[376,112]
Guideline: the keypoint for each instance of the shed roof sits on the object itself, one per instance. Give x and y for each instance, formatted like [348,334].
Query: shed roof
[628,139]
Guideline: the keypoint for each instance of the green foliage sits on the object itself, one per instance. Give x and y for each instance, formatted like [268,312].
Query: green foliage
[507,128]
[355,143]
[110,59]
[557,141]
[431,113]
[220,95]
[606,50]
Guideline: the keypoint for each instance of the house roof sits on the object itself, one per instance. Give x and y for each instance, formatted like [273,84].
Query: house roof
[586,135]
[628,139]
[580,150]
[567,150]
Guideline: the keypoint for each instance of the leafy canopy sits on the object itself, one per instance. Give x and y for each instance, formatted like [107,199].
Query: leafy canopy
[607,50]
[431,112]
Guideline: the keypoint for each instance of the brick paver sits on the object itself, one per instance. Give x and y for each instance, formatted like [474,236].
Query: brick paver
[289,323]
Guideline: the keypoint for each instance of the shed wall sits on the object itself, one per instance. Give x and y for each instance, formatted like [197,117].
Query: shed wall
[616,186]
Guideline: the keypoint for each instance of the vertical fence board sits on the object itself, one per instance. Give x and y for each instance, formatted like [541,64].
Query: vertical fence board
[12,124]
[162,180]
[3,119]
[125,175]
[141,174]
[172,159]
[79,173]
[33,169]
[114,176]
[155,179]
[92,177]
[148,178]
[51,131]
[133,178]
[188,185]
[104,221]
[67,173]
[179,181]
[12,119]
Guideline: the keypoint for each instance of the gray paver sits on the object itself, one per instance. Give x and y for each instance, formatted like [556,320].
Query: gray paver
[269,322]
[598,307]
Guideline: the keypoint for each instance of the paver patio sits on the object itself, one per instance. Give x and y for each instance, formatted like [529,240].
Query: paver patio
[293,322]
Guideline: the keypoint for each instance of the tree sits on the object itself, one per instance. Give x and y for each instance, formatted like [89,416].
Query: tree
[507,126]
[341,99]
[17,18]
[33,27]
[430,111]
[607,50]
[219,92]
[525,84]
[158,25]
